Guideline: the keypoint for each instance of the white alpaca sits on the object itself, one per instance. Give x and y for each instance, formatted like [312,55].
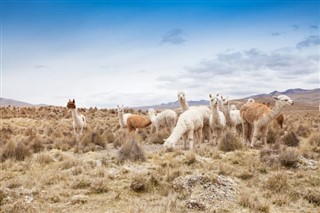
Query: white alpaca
[233,117]
[203,110]
[167,119]
[122,117]
[250,100]
[189,123]
[79,121]
[257,117]
[217,120]
[233,107]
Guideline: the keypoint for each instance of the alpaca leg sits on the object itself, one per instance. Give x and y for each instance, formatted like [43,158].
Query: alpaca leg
[191,139]
[81,130]
[255,136]
[219,135]
[199,136]
[185,138]
[264,131]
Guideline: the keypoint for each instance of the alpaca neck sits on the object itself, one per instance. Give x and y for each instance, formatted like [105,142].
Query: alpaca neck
[120,115]
[152,117]
[272,114]
[75,115]
[176,134]
[226,113]
[184,104]
[215,112]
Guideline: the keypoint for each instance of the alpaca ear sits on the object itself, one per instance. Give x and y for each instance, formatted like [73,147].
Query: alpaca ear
[275,97]
[118,106]
[210,96]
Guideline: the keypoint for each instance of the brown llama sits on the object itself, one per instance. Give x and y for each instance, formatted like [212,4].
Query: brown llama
[137,122]
[258,116]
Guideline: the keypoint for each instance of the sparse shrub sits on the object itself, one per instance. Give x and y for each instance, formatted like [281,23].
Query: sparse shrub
[81,183]
[190,158]
[245,175]
[138,184]
[314,139]
[313,196]
[48,130]
[290,139]
[44,158]
[108,136]
[120,138]
[99,186]
[303,131]
[273,135]
[277,183]
[14,150]
[36,145]
[253,203]
[289,157]
[93,137]
[130,150]
[158,137]
[230,142]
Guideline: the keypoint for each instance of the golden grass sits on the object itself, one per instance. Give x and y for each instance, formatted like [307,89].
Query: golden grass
[43,166]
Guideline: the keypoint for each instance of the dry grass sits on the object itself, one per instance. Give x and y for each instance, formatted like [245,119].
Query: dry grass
[230,143]
[43,166]
[290,139]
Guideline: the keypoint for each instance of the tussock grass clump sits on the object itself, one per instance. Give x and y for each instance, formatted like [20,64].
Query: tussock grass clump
[270,156]
[37,145]
[313,196]
[44,159]
[277,183]
[303,131]
[247,201]
[314,139]
[230,142]
[108,136]
[99,186]
[81,183]
[158,137]
[139,184]
[15,150]
[6,133]
[120,138]
[274,135]
[93,137]
[289,157]
[130,150]
[290,139]
[190,158]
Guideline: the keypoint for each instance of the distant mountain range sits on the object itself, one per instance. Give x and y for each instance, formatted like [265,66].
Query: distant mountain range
[306,99]
[10,102]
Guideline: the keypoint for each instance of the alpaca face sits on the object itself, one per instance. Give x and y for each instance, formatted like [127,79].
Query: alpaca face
[225,100]
[151,111]
[214,101]
[233,107]
[71,104]
[250,100]
[283,100]
[120,109]
[181,96]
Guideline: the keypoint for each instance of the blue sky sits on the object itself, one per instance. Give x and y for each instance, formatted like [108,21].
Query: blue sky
[104,53]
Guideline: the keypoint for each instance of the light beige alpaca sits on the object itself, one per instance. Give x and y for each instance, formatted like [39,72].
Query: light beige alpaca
[217,119]
[204,110]
[256,117]
[79,121]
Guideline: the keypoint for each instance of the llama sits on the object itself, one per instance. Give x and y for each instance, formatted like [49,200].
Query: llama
[166,119]
[135,122]
[189,123]
[205,112]
[122,117]
[233,107]
[217,120]
[232,116]
[79,121]
[258,116]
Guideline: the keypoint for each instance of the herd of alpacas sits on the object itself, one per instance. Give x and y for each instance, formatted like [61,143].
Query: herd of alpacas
[197,123]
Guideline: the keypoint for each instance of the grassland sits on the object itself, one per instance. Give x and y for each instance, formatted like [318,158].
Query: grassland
[44,168]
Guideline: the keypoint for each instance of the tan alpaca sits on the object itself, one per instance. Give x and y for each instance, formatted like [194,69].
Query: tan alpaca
[256,117]
[135,122]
